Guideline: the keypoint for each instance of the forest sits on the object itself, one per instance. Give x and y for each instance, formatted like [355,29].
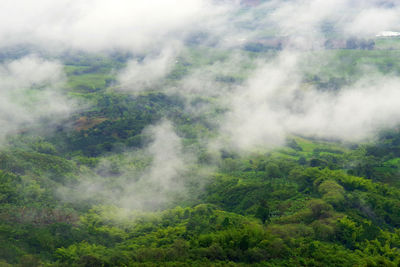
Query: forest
[275,150]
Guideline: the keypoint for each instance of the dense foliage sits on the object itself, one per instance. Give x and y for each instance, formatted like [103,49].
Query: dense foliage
[310,203]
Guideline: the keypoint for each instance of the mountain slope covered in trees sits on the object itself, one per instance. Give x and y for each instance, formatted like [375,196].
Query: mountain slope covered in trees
[225,133]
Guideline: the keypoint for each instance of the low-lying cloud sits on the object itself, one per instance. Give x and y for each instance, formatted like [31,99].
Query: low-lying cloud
[143,180]
[263,96]
[96,25]
[30,92]
[275,102]
[149,71]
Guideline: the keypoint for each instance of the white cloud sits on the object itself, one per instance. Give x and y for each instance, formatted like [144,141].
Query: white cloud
[29,92]
[139,75]
[274,102]
[100,24]
[145,180]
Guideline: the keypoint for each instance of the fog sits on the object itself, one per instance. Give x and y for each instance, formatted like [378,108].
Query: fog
[274,102]
[96,25]
[30,92]
[142,180]
[139,75]
[265,95]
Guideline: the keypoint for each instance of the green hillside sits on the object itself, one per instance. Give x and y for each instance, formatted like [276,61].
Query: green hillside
[312,202]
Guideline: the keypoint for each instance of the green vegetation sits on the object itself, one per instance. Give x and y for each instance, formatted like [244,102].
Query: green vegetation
[310,203]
